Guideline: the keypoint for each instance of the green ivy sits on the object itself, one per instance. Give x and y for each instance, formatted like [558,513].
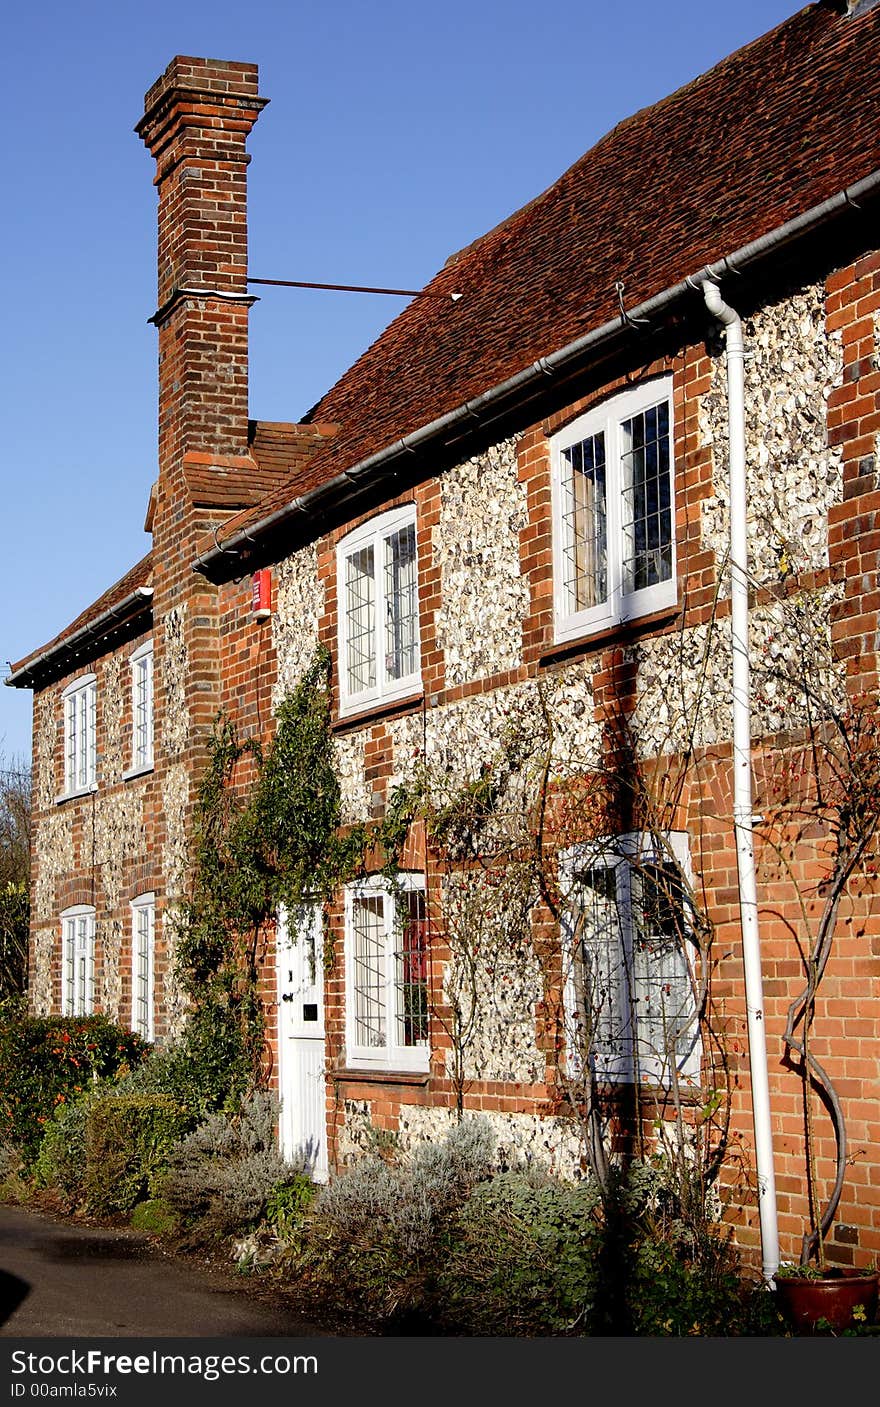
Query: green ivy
[267,832]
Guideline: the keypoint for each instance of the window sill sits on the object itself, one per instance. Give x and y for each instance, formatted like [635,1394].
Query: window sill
[381,708]
[608,634]
[76,795]
[379,1075]
[137,772]
[688,1095]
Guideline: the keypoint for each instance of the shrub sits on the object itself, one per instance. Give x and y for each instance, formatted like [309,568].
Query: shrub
[437,1243]
[61,1160]
[523,1258]
[670,1269]
[128,1141]
[172,1071]
[287,1203]
[155,1217]
[50,1060]
[13,1184]
[404,1204]
[377,1233]
[221,1176]
[677,1289]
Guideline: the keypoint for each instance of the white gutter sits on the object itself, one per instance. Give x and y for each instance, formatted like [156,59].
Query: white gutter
[742,780]
[128,606]
[492,403]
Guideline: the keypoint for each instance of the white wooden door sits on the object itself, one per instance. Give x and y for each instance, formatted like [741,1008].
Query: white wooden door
[300,974]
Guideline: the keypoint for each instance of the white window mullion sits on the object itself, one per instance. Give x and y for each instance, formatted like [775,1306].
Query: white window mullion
[615,520]
[70,744]
[91,736]
[68,961]
[390,987]
[89,973]
[82,724]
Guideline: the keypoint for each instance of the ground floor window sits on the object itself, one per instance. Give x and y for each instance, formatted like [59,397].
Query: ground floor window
[630,1004]
[387,973]
[143,921]
[78,961]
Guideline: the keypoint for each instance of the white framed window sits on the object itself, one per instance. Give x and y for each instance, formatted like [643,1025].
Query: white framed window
[630,1005]
[79,701]
[386,965]
[614,512]
[143,930]
[142,708]
[377,581]
[78,961]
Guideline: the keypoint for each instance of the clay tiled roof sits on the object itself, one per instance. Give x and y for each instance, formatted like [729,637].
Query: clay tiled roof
[773,131]
[129,597]
[280,451]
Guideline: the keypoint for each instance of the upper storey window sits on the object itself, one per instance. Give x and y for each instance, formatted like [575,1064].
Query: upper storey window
[614,509]
[142,708]
[80,756]
[377,575]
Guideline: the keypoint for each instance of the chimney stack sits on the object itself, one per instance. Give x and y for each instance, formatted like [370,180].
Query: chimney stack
[196,121]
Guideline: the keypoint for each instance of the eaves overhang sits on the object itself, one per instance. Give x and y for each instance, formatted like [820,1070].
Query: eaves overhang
[58,658]
[470,419]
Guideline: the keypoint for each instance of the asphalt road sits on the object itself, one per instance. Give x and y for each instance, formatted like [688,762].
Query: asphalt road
[60,1280]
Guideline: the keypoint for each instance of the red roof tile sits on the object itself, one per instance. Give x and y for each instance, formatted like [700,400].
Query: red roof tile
[772,131]
[280,451]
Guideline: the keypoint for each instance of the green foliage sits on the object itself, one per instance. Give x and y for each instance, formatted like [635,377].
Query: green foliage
[267,832]
[15,811]
[294,815]
[789,1271]
[14,1184]
[128,1141]
[680,1287]
[524,1258]
[14,925]
[61,1161]
[190,1072]
[669,1269]
[435,1243]
[218,929]
[222,1175]
[376,1234]
[47,1061]
[287,1204]
[155,1217]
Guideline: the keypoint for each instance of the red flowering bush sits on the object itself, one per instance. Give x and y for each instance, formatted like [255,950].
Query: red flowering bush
[47,1061]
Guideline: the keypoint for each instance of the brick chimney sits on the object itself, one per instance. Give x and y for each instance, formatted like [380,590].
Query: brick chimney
[196,121]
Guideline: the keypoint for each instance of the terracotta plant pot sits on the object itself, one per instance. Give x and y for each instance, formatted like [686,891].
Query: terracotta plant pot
[833,1298]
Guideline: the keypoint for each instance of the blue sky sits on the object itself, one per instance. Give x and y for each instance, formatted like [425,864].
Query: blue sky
[395,134]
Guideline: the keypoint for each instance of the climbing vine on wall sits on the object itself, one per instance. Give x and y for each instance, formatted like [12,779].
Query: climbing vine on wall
[266,833]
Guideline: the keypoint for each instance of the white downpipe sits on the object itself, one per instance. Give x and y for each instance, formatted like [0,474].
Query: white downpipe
[742,781]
